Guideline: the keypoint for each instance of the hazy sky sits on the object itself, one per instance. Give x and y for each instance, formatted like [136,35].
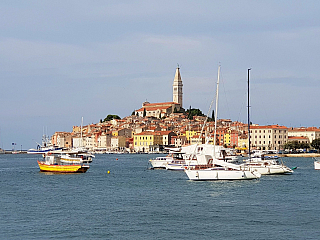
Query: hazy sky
[63,60]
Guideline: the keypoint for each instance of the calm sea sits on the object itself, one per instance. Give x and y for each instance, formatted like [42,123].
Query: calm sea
[133,202]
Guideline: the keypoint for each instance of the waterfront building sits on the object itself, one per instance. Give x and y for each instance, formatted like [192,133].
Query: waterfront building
[298,139]
[311,133]
[62,139]
[243,142]
[167,137]
[147,141]
[271,137]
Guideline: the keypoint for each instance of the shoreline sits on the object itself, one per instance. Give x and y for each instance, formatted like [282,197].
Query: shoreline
[304,155]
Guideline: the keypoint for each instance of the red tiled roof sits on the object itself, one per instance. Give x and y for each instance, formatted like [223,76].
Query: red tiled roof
[268,127]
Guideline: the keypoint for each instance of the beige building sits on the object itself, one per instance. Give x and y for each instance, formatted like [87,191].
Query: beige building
[311,133]
[271,137]
[298,139]
[157,110]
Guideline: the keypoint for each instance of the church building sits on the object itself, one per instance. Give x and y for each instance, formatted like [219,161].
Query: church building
[159,110]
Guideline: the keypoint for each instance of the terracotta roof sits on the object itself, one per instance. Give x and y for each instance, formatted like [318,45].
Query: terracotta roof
[164,103]
[152,108]
[308,129]
[297,137]
[268,127]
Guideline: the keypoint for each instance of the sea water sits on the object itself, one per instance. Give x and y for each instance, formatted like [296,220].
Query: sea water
[133,202]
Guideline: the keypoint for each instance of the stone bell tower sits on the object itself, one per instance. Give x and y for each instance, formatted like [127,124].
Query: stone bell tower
[177,87]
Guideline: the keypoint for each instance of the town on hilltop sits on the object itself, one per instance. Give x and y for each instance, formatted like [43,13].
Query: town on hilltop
[155,126]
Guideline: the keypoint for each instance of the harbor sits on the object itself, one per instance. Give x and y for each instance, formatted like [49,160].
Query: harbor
[133,201]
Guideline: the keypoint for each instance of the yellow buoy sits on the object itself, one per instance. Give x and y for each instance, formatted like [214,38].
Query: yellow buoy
[108,172]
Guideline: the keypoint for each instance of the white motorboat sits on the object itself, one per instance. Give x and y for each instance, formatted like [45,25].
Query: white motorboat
[76,157]
[317,164]
[267,167]
[220,173]
[160,162]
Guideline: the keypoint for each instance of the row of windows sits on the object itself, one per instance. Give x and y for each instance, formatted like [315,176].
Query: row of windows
[269,131]
[146,138]
[142,143]
[264,142]
[275,136]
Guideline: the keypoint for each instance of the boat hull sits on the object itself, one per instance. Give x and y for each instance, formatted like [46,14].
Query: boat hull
[62,168]
[220,174]
[158,163]
[269,170]
[317,165]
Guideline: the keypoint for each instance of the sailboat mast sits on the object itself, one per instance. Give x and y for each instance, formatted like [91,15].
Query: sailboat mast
[216,112]
[249,113]
[81,142]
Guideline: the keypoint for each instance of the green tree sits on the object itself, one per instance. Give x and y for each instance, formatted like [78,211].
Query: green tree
[144,112]
[316,144]
[111,117]
[191,112]
[133,113]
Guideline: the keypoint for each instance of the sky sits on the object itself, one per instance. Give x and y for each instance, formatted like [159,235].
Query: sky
[64,60]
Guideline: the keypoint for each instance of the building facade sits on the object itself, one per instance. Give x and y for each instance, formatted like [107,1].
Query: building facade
[311,133]
[272,137]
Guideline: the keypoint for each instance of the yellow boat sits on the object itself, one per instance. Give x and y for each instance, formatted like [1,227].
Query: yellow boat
[76,168]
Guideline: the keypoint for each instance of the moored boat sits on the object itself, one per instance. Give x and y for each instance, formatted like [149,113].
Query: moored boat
[220,173]
[52,163]
[74,168]
[317,164]
[160,162]
[267,167]
[213,167]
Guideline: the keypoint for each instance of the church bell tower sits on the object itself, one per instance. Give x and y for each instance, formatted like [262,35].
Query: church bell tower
[177,87]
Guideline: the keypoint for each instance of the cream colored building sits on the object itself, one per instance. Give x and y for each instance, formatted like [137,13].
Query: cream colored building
[311,133]
[272,137]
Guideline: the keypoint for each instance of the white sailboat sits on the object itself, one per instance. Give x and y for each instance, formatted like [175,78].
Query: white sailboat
[210,167]
[259,164]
